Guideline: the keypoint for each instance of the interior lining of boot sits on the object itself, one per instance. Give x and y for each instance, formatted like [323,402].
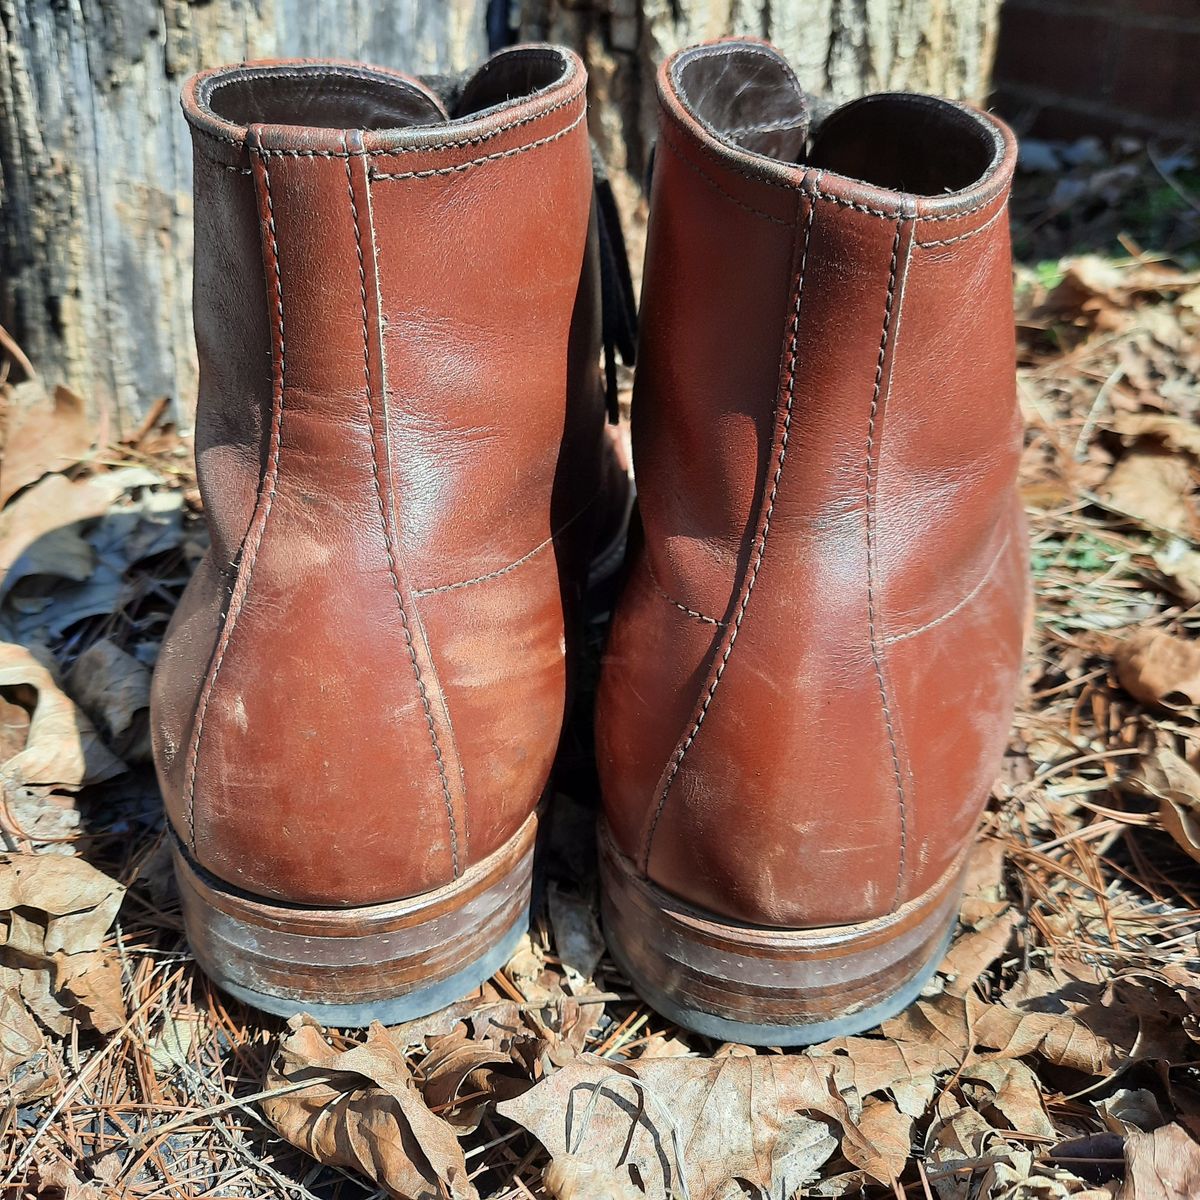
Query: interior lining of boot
[749,97]
[907,143]
[321,97]
[516,75]
[746,95]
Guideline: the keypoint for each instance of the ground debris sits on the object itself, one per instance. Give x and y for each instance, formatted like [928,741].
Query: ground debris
[1053,1056]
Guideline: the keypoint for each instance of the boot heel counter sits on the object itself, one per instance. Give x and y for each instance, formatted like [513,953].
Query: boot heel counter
[282,776]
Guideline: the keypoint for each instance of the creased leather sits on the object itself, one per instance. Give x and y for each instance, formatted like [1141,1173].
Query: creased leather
[811,674]
[400,444]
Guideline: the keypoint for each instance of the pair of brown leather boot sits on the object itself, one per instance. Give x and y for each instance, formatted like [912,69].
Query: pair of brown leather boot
[402,451]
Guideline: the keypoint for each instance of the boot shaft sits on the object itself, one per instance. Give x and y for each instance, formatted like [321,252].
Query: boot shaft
[809,682]
[399,437]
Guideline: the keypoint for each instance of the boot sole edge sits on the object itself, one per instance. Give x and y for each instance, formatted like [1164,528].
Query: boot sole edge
[765,986]
[388,962]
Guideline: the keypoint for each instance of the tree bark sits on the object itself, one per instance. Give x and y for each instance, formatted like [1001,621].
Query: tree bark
[840,49]
[95,191]
[95,201]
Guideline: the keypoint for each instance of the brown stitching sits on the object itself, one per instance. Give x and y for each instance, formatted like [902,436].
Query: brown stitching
[389,151]
[486,158]
[962,237]
[512,566]
[665,595]
[764,533]
[782,185]
[980,584]
[387,535]
[691,612]
[316,74]
[872,607]
[828,196]
[519,562]
[236,602]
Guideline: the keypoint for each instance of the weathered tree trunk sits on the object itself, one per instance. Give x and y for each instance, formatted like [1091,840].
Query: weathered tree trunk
[95,194]
[839,48]
[95,207]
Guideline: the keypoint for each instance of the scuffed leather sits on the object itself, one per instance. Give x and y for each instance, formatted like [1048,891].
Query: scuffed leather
[400,445]
[810,676]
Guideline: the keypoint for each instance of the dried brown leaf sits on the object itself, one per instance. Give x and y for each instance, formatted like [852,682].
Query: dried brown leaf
[113,688]
[942,1022]
[460,1078]
[1010,1090]
[889,1133]
[54,914]
[1159,668]
[983,884]
[63,750]
[51,904]
[1152,484]
[1175,784]
[1175,433]
[56,1178]
[1092,293]
[48,434]
[53,504]
[20,1038]
[90,984]
[1058,1038]
[904,1069]
[974,952]
[572,1178]
[1163,1165]
[363,1111]
[577,935]
[1180,564]
[697,1123]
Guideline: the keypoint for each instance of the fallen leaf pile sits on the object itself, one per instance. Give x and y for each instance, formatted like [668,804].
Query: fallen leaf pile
[1056,1054]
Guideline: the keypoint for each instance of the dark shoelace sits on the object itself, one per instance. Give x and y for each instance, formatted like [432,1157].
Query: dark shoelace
[618,307]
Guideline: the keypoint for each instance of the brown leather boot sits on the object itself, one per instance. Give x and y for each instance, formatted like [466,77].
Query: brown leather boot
[811,674]
[400,443]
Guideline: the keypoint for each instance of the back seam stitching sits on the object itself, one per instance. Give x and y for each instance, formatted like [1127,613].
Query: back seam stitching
[871,470]
[764,533]
[387,535]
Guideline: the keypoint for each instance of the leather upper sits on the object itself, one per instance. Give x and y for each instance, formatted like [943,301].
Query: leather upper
[810,676]
[399,443]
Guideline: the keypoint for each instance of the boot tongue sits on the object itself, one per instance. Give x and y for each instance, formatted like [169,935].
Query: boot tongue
[746,93]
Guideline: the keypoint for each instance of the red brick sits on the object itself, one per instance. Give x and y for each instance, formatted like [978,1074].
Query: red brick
[1063,52]
[1157,73]
[1178,13]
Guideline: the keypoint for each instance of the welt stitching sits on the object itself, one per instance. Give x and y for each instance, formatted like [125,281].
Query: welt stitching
[691,166]
[486,158]
[957,608]
[390,151]
[872,605]
[276,438]
[387,536]
[760,550]
[962,237]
